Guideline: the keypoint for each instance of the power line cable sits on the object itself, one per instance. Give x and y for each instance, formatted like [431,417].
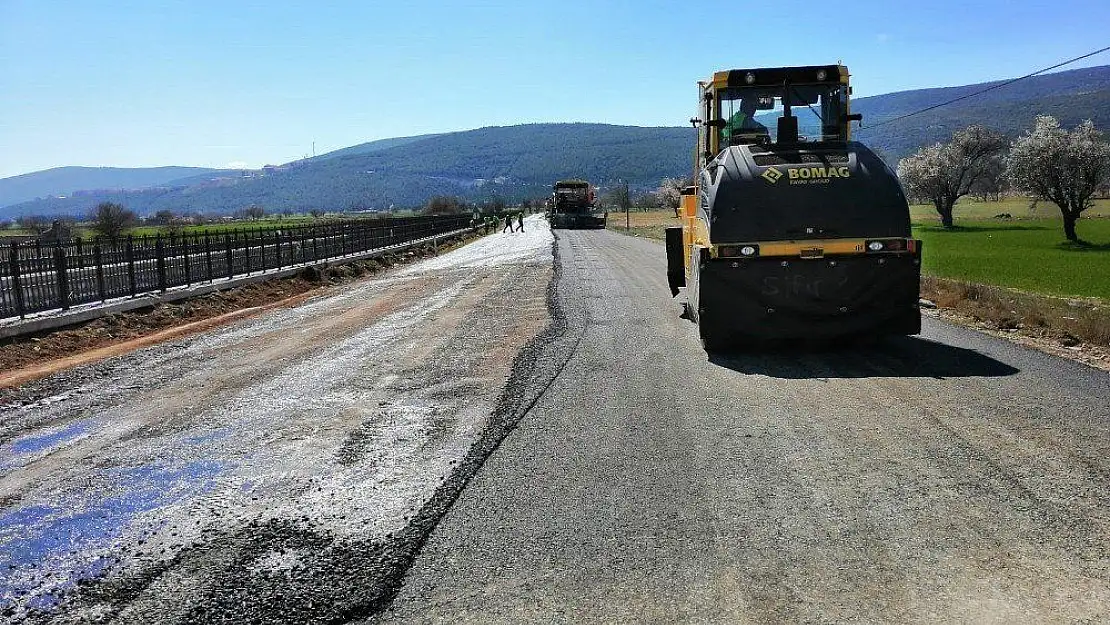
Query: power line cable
[990,88]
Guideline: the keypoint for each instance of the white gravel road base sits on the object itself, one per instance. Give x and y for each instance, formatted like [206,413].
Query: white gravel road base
[353,429]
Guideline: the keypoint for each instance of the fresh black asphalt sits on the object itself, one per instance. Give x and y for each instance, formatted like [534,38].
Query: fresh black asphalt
[952,477]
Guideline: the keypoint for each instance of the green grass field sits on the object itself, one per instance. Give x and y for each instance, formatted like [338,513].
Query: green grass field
[264,224]
[1031,255]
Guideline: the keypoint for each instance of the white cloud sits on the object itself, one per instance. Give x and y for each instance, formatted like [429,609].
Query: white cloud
[882,38]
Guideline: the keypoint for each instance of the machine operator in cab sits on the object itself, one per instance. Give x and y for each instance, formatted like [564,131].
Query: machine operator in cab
[743,123]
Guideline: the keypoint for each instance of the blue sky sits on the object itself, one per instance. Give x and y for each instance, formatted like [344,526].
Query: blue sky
[191,82]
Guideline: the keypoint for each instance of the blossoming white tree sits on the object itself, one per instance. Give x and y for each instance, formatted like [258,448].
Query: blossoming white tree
[945,172]
[1065,168]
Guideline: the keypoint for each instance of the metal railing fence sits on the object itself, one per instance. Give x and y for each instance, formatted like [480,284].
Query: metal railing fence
[36,277]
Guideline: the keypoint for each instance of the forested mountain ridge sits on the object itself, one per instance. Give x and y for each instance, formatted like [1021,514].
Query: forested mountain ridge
[1070,96]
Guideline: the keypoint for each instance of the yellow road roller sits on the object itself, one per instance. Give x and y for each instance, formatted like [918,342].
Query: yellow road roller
[792,232]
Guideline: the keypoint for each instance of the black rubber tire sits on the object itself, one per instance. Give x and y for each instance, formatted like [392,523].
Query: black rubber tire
[712,341]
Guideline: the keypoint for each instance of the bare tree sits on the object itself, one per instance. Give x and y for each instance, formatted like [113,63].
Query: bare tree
[1065,168]
[618,197]
[254,212]
[496,204]
[316,213]
[646,201]
[35,224]
[112,220]
[945,172]
[163,217]
[443,205]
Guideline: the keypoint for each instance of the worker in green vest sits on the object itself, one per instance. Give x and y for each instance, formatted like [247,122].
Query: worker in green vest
[742,123]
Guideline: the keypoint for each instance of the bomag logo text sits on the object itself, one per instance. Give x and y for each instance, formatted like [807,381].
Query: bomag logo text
[816,175]
[772,175]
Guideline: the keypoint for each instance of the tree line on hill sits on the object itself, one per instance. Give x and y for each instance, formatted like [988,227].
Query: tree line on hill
[1046,163]
[112,221]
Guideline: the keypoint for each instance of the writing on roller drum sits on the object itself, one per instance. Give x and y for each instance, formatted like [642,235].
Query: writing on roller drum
[802,286]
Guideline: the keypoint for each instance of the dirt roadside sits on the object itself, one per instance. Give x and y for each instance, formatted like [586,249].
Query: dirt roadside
[1091,355]
[1073,328]
[30,357]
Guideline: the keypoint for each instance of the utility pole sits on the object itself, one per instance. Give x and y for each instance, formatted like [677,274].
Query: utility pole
[627,202]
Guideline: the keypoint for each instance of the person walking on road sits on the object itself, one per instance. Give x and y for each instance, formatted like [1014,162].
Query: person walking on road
[508,223]
[520,221]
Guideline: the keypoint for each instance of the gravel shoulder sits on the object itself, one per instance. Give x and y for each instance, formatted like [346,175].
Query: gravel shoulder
[28,357]
[282,469]
[952,477]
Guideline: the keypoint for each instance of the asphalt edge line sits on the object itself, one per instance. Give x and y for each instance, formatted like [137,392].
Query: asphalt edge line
[511,408]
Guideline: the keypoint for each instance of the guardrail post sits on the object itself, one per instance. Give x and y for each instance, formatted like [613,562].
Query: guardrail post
[17,285]
[207,257]
[160,262]
[98,259]
[185,255]
[228,255]
[63,278]
[246,249]
[129,256]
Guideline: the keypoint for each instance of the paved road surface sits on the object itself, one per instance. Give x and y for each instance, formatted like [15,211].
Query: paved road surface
[288,469]
[950,478]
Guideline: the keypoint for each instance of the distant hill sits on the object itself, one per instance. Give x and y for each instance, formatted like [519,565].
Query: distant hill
[514,162]
[1070,96]
[66,180]
[518,162]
